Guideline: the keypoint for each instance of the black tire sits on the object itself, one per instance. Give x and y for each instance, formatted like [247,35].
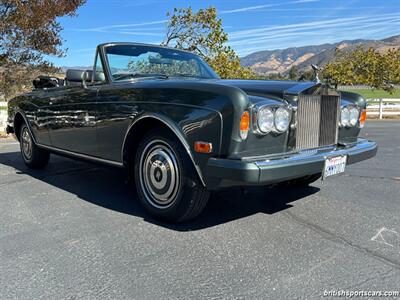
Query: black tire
[166,181]
[33,156]
[303,181]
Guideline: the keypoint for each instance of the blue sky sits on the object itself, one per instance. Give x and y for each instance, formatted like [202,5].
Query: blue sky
[252,25]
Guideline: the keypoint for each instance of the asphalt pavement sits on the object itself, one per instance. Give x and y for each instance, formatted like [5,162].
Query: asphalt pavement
[76,231]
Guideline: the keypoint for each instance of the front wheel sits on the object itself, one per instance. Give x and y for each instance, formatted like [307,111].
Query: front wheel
[166,181]
[33,156]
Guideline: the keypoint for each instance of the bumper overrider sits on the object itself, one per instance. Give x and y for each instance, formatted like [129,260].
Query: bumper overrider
[273,169]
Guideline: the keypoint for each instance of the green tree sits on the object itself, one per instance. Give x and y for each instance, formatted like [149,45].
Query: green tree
[294,73]
[364,66]
[307,76]
[392,63]
[274,76]
[201,32]
[29,30]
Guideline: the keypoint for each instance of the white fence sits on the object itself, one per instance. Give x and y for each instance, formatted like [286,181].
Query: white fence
[3,116]
[383,107]
[360,87]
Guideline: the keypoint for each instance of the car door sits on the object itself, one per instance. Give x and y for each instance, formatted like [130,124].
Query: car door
[72,119]
[114,114]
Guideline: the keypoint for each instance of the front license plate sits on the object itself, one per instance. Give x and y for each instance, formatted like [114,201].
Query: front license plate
[334,165]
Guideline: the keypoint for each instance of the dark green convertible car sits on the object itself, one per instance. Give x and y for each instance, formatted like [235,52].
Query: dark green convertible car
[166,117]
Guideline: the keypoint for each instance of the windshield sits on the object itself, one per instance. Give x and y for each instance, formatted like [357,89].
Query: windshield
[137,61]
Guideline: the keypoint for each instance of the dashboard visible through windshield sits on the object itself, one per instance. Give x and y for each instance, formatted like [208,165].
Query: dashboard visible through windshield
[127,62]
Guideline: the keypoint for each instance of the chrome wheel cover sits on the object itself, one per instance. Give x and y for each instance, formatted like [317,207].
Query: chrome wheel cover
[159,174]
[26,144]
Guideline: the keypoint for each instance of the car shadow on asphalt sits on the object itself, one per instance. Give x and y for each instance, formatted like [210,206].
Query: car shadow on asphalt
[108,188]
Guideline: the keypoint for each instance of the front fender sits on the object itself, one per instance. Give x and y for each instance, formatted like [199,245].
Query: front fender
[27,107]
[189,124]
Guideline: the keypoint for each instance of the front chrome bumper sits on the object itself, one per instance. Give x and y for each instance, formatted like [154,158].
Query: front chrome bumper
[264,171]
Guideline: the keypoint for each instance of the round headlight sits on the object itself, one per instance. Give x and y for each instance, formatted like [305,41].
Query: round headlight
[353,116]
[345,116]
[282,119]
[265,120]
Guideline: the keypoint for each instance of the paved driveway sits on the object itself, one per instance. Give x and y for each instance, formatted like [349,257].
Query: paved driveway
[76,231]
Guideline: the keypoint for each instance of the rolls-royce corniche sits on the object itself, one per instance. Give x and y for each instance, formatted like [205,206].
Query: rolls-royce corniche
[181,132]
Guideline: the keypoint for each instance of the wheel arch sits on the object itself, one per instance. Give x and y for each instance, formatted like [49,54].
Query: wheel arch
[20,119]
[142,125]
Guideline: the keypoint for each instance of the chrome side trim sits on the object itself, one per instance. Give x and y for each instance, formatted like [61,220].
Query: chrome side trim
[82,156]
[178,135]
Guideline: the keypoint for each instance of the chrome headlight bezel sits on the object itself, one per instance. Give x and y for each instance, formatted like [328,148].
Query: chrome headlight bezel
[354,116]
[349,116]
[287,118]
[266,114]
[270,109]
[344,116]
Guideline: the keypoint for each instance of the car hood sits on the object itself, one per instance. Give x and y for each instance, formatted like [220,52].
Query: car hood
[256,90]
[267,88]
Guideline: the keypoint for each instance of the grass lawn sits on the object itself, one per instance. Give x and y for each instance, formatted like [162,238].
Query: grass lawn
[375,94]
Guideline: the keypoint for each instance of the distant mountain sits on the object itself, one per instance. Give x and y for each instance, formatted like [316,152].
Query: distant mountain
[281,60]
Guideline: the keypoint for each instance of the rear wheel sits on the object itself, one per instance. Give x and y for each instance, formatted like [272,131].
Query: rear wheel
[167,184]
[33,156]
[303,181]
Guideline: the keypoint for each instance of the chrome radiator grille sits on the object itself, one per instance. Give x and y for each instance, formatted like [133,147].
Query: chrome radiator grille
[317,121]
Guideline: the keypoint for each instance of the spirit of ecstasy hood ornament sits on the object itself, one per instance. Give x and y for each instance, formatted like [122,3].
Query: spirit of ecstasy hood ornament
[316,69]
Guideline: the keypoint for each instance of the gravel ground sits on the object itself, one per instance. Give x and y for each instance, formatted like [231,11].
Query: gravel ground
[76,231]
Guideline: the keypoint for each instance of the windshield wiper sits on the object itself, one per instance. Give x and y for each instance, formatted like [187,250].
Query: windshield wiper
[188,76]
[139,75]
[153,75]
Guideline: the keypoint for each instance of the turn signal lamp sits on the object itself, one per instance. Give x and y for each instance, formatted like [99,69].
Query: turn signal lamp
[363,117]
[203,147]
[244,125]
